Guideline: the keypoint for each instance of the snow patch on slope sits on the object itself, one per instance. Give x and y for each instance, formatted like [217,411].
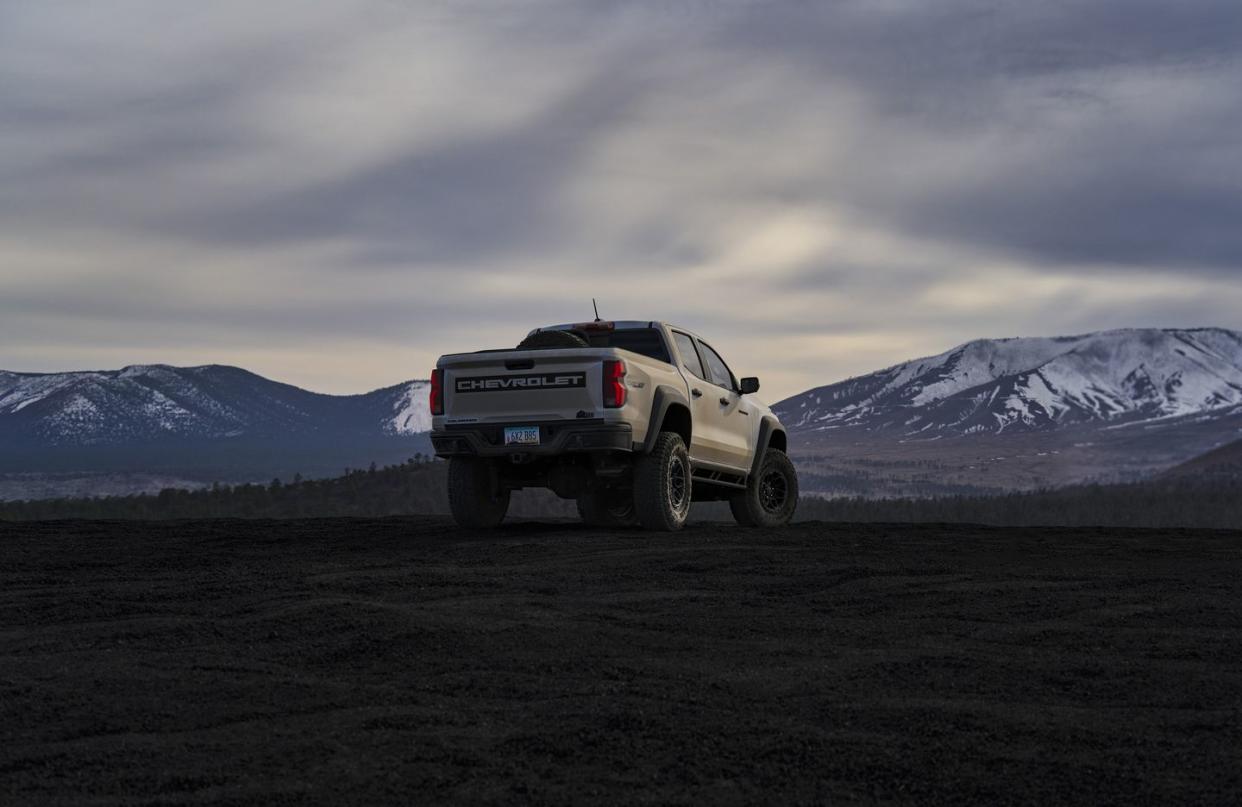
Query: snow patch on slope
[78,415]
[167,413]
[983,360]
[21,391]
[412,412]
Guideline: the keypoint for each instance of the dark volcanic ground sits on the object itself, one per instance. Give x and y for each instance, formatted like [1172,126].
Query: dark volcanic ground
[405,660]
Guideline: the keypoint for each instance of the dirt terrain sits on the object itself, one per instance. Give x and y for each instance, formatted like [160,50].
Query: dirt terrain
[403,660]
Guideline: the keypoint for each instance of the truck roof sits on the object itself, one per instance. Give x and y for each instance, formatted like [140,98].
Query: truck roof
[620,325]
[617,325]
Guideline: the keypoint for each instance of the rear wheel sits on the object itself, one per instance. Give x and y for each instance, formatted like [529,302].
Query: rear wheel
[607,508]
[771,495]
[474,497]
[662,484]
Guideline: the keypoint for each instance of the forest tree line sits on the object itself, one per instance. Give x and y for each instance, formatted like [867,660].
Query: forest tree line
[418,487]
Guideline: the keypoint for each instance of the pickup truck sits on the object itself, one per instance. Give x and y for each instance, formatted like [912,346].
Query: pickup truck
[632,419]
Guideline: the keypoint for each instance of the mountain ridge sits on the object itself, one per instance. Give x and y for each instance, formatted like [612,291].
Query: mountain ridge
[1034,384]
[160,402]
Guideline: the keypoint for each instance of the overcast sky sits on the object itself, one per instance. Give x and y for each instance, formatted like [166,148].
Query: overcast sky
[333,194]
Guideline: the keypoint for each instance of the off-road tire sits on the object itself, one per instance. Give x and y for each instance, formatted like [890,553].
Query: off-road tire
[662,484]
[771,495]
[473,497]
[549,340]
[607,508]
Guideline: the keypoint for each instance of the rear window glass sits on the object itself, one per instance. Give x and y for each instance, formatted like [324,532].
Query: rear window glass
[643,341]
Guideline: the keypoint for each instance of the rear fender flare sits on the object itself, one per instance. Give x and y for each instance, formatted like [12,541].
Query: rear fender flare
[664,397]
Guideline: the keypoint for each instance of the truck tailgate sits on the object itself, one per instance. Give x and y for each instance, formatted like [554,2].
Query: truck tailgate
[524,385]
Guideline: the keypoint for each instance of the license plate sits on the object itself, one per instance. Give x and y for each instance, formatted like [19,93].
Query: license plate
[521,435]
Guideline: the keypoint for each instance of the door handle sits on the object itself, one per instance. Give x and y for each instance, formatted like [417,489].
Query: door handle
[696,393]
[724,401]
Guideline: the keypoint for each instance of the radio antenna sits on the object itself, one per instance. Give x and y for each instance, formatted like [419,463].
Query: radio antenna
[596,307]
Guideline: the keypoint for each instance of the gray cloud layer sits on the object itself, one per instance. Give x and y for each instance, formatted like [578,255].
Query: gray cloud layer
[333,195]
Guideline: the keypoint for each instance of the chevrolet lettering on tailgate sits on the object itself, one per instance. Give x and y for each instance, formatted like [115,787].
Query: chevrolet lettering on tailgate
[520,382]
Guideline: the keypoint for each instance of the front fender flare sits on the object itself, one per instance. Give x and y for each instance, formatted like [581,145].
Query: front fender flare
[767,427]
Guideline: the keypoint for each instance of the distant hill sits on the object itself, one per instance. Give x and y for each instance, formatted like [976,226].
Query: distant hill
[1007,385]
[209,422]
[159,403]
[1022,414]
[1221,463]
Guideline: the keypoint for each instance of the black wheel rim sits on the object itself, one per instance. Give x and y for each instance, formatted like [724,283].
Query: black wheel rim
[678,485]
[773,491]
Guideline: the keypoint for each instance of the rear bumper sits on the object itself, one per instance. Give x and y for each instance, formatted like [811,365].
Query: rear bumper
[557,437]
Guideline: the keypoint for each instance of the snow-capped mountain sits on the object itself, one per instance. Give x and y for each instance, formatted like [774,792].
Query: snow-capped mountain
[1035,384]
[160,404]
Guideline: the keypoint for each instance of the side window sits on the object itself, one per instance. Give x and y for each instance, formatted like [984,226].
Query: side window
[721,376]
[689,357]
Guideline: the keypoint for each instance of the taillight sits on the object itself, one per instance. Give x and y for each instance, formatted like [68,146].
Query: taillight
[614,383]
[596,326]
[436,399]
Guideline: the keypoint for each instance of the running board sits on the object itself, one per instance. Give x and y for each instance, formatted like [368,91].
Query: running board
[722,478]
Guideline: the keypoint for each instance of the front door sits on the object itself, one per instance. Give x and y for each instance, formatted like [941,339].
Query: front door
[732,417]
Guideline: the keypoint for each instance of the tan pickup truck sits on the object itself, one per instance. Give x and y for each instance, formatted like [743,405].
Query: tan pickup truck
[634,420]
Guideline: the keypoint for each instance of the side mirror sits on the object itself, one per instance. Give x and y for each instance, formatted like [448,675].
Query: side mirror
[748,385]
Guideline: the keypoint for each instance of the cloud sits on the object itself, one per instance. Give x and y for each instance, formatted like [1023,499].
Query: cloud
[821,187]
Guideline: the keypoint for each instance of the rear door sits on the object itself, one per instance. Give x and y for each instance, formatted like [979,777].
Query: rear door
[706,444]
[523,385]
[732,416]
